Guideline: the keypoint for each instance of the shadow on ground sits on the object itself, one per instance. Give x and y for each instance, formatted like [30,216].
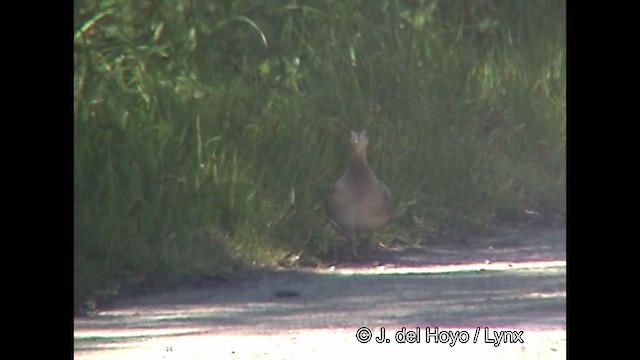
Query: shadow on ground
[518,284]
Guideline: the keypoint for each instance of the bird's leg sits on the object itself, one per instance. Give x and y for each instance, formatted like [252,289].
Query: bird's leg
[364,243]
[354,249]
[354,246]
[334,250]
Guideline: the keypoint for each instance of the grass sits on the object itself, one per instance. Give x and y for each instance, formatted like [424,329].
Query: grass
[205,134]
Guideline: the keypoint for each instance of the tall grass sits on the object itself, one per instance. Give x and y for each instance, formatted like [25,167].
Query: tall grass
[205,133]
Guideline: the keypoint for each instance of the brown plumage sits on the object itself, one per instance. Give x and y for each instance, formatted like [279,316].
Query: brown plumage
[358,203]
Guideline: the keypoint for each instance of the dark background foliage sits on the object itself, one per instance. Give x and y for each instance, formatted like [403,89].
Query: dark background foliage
[206,132]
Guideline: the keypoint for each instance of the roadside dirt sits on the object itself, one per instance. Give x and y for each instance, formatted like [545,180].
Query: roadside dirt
[500,296]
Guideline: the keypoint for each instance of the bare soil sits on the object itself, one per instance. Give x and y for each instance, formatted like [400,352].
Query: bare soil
[498,296]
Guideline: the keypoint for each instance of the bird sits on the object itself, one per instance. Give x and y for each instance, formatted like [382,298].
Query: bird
[358,203]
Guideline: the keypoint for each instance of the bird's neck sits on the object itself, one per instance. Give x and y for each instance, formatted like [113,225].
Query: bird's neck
[358,165]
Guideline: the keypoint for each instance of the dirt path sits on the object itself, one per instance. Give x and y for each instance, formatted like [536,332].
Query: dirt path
[498,297]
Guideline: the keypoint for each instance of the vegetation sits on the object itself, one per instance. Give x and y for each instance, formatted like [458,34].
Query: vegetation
[206,132]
